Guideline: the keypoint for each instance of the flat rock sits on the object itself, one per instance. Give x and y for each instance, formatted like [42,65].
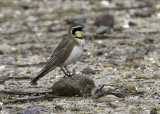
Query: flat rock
[30,110]
[109,98]
[103,29]
[77,85]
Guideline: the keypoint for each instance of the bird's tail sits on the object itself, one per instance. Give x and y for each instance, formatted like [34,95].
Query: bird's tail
[40,75]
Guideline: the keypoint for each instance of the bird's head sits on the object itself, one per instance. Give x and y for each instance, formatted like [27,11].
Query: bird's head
[76,31]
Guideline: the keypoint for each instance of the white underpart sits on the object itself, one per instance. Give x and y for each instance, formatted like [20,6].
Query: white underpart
[75,53]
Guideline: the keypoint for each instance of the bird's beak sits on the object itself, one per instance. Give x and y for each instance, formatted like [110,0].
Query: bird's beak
[78,34]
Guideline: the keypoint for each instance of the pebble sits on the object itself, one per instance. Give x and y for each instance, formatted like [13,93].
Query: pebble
[1,52]
[109,98]
[99,53]
[30,110]
[154,111]
[109,55]
[109,65]
[104,19]
[142,14]
[132,23]
[5,48]
[103,29]
[118,28]
[127,75]
[132,32]
[120,4]
[81,18]
[1,104]
[149,39]
[88,70]
[131,88]
[156,76]
[141,66]
[105,3]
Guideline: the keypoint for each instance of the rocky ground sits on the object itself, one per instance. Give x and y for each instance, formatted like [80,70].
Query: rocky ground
[123,57]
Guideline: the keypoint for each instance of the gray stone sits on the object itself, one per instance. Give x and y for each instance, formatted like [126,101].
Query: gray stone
[154,111]
[30,110]
[81,18]
[103,29]
[77,85]
[88,70]
[132,32]
[149,39]
[1,52]
[104,19]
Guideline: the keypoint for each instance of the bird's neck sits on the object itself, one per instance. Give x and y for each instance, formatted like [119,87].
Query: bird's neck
[80,41]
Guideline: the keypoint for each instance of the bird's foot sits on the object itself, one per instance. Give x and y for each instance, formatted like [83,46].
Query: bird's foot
[68,75]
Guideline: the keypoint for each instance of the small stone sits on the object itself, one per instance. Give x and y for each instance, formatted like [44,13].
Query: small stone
[3,77]
[132,32]
[100,44]
[77,85]
[88,70]
[120,4]
[1,52]
[81,18]
[30,110]
[24,56]
[105,3]
[142,14]
[127,75]
[131,88]
[1,104]
[75,109]
[132,23]
[118,28]
[99,53]
[154,111]
[149,39]
[109,55]
[104,19]
[156,76]
[5,48]
[59,107]
[103,29]
[109,65]
[141,66]
[109,98]
[129,58]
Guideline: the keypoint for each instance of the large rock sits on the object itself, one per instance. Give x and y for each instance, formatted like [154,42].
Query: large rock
[104,19]
[77,85]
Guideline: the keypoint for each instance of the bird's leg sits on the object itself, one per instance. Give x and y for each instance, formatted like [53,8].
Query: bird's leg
[64,72]
[69,73]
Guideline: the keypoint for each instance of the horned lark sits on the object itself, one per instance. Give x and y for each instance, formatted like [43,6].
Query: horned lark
[67,52]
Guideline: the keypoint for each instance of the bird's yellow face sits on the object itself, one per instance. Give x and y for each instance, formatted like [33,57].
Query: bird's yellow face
[76,31]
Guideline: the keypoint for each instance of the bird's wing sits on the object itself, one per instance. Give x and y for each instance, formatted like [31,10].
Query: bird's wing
[62,52]
[58,57]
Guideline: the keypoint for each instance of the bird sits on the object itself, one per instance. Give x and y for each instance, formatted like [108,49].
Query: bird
[68,51]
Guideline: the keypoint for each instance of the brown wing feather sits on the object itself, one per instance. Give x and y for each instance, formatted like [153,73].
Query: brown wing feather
[58,57]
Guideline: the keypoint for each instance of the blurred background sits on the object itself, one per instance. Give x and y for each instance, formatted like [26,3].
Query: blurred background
[122,46]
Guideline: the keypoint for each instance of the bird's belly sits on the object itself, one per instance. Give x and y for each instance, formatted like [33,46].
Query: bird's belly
[74,55]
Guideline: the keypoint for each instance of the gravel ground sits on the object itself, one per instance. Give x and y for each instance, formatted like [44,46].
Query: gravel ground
[127,58]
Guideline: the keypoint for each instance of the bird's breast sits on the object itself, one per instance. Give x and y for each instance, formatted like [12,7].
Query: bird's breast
[74,55]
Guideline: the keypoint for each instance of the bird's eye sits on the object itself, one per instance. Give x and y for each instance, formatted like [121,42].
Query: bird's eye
[76,29]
